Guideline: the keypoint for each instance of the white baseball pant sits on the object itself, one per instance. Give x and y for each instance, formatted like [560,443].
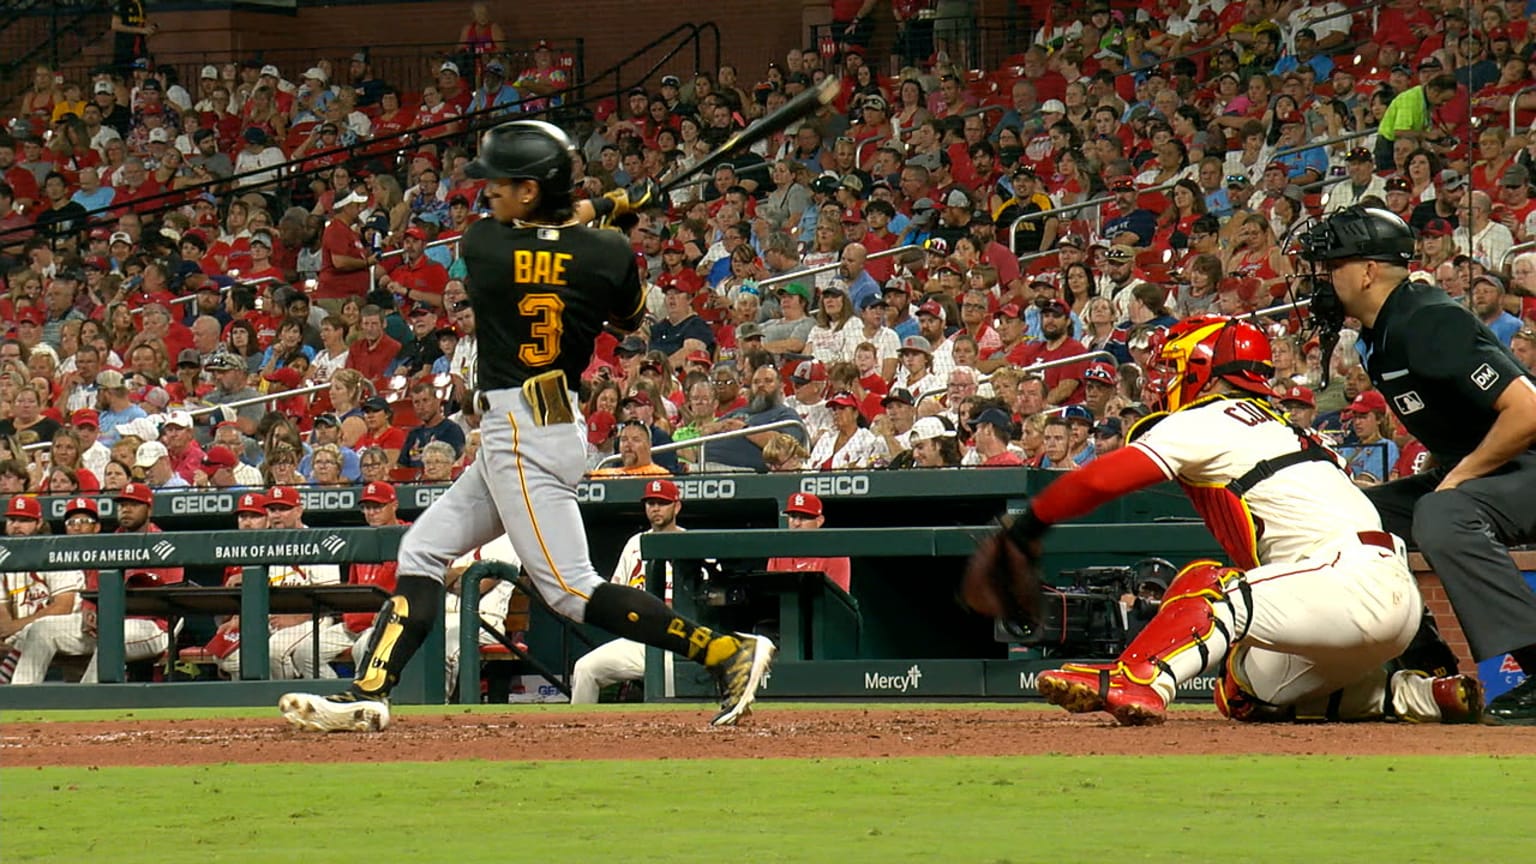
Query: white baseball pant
[291,651]
[608,663]
[40,641]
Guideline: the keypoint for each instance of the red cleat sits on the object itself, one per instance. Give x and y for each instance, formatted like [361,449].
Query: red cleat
[1136,704]
[1080,688]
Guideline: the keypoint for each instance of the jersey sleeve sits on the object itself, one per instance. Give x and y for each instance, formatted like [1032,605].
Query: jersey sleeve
[626,305]
[1178,444]
[1467,357]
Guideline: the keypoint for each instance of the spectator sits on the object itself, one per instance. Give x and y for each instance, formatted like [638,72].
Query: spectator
[848,443]
[764,406]
[1409,117]
[682,331]
[803,511]
[327,431]
[437,461]
[374,464]
[152,463]
[373,353]
[381,433]
[993,435]
[423,349]
[185,453]
[230,379]
[434,426]
[221,469]
[1055,455]
[1108,436]
[634,453]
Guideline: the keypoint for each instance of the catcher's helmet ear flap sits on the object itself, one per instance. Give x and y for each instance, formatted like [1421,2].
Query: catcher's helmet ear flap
[1360,233]
[526,150]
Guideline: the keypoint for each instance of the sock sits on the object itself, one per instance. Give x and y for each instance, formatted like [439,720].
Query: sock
[1526,657]
[398,631]
[642,617]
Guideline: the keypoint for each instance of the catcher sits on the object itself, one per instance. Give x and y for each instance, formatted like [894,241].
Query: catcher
[1320,599]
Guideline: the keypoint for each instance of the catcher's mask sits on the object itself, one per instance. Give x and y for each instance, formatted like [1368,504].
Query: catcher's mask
[1353,234]
[1191,353]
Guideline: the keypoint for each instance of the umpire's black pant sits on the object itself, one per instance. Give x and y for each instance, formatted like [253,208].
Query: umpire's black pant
[1465,534]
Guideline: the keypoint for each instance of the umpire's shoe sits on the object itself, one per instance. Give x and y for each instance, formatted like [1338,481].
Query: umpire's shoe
[740,675]
[1516,706]
[344,712]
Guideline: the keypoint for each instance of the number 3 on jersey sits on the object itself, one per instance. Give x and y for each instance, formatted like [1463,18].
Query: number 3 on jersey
[545,329]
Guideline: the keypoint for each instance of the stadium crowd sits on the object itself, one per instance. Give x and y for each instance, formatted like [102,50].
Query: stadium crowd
[174,254]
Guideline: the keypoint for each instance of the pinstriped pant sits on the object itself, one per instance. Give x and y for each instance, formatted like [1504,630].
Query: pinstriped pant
[40,641]
[523,482]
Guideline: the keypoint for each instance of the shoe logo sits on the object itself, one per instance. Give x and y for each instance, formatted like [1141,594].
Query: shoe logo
[333,544]
[899,683]
[163,550]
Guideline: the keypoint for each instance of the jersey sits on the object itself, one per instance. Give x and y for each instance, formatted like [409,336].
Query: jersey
[541,294]
[1444,397]
[630,570]
[27,592]
[1293,515]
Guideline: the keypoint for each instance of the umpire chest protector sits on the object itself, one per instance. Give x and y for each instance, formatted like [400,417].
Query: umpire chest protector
[1439,367]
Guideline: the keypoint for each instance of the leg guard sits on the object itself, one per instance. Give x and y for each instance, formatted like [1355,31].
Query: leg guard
[642,617]
[1235,700]
[398,631]
[1204,611]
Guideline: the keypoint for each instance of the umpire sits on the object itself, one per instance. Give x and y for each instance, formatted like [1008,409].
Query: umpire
[1472,405]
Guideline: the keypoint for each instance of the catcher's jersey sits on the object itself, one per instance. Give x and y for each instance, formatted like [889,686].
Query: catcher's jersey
[1300,511]
[541,294]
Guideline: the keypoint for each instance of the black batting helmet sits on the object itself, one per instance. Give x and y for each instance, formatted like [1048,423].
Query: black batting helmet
[1360,233]
[525,150]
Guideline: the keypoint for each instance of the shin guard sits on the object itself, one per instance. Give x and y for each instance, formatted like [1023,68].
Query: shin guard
[398,631]
[642,617]
[1196,624]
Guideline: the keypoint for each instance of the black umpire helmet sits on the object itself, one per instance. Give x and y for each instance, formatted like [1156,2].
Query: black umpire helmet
[526,150]
[1360,233]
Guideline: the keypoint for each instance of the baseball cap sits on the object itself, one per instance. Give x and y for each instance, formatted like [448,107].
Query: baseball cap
[315,73]
[899,394]
[870,301]
[1450,179]
[252,502]
[375,403]
[632,344]
[189,357]
[958,198]
[159,136]
[927,429]
[378,493]
[1101,372]
[1237,180]
[671,81]
[449,66]
[1359,154]
[1011,310]
[219,456]
[1437,228]
[932,308]
[287,376]
[797,289]
[82,505]
[1370,400]
[936,246]
[1515,176]
[660,490]
[1078,414]
[353,197]
[917,343]
[639,397]
[1297,393]
[750,330]
[1122,184]
[1290,117]
[1054,304]
[495,67]
[221,361]
[85,417]
[1109,427]
[283,496]
[673,245]
[843,400]
[103,87]
[699,357]
[327,419]
[599,427]
[1053,105]
[23,507]
[1399,184]
[1120,253]
[137,493]
[994,416]
[808,371]
[803,504]
[149,453]
[31,315]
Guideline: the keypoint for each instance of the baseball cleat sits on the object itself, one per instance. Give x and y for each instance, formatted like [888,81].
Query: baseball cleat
[1079,688]
[344,712]
[740,676]
[1135,704]
[1459,697]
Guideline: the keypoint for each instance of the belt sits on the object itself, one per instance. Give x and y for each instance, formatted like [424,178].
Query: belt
[1378,538]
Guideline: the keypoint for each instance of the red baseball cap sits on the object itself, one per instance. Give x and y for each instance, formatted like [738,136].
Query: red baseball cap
[138,493]
[286,376]
[23,507]
[1100,372]
[600,426]
[31,315]
[1367,402]
[378,493]
[807,371]
[416,233]
[252,502]
[220,456]
[283,496]
[82,505]
[843,400]
[933,308]
[673,245]
[86,417]
[699,357]
[803,504]
[1297,393]
[660,490]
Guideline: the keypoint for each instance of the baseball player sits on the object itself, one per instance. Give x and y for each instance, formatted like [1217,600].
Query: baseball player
[542,285]
[624,659]
[37,604]
[1320,597]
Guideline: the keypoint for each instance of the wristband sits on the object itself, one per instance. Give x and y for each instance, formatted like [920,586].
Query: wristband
[1026,527]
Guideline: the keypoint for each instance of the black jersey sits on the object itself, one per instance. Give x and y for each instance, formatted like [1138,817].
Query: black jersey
[541,294]
[1439,368]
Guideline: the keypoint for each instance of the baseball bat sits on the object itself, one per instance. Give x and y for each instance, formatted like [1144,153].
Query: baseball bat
[801,106]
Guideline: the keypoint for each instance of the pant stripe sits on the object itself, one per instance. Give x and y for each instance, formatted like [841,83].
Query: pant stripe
[533,519]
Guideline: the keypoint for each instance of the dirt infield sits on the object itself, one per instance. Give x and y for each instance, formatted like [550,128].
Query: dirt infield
[682,734]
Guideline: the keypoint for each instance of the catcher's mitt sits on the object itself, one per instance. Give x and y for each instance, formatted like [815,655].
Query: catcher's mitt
[1002,579]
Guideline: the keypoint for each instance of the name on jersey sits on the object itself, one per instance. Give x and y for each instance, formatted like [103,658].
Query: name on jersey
[531,267]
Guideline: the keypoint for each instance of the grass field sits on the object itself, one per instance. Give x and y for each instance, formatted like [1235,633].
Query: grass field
[1055,808]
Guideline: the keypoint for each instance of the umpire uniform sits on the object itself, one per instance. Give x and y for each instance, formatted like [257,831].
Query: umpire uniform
[1467,399]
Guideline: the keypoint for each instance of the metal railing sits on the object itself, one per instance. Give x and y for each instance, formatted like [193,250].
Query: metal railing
[1515,101]
[827,268]
[260,400]
[1514,251]
[703,440]
[1073,208]
[1326,142]
[433,245]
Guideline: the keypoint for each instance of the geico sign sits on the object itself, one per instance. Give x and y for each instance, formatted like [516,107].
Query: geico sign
[707,489]
[593,493]
[835,484]
[330,499]
[105,507]
[425,495]
[188,505]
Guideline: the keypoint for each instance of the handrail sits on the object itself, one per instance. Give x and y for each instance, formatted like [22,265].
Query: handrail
[1270,311]
[1065,361]
[1073,208]
[1310,145]
[1514,250]
[260,400]
[825,268]
[433,245]
[1045,253]
[695,35]
[714,436]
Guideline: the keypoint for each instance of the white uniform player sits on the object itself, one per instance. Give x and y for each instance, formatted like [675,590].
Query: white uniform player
[38,604]
[1320,597]
[624,659]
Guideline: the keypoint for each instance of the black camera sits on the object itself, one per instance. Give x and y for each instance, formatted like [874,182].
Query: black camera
[1096,613]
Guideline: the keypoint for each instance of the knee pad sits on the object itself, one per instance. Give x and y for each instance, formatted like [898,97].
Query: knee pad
[1236,701]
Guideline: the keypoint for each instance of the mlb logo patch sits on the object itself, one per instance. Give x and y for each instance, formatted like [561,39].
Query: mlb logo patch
[1409,402]
[1484,377]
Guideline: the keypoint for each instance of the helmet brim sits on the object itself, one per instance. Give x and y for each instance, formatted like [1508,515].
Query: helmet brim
[481,171]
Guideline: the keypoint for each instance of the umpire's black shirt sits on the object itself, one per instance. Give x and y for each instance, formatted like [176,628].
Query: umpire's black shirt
[1439,367]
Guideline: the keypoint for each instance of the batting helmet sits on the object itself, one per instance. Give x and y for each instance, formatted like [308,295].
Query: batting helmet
[525,150]
[1360,233]
[1192,352]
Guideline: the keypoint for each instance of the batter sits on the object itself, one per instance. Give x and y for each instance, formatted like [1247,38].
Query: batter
[542,285]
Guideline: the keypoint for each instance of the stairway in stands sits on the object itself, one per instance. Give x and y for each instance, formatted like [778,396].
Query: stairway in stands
[43,31]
